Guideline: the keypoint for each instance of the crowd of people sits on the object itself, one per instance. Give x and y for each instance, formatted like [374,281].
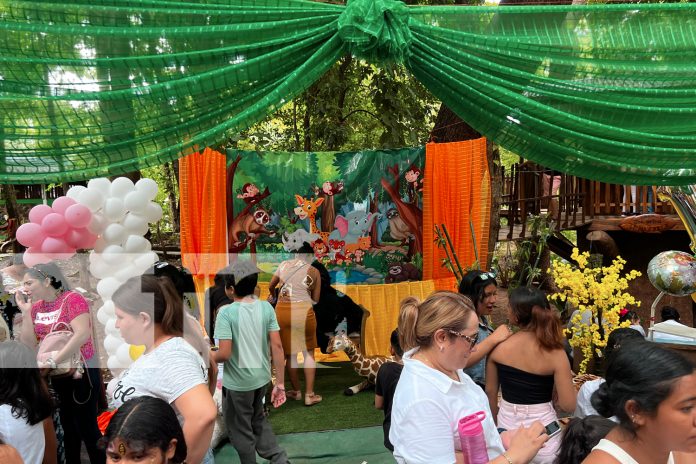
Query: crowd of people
[451,364]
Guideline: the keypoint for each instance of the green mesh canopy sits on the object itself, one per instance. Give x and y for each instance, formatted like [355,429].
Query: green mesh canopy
[102,87]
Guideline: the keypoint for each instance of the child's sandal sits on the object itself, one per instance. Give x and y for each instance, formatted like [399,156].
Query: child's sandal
[312,399]
[293,395]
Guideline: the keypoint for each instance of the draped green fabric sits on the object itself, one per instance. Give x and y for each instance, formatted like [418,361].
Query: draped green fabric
[97,87]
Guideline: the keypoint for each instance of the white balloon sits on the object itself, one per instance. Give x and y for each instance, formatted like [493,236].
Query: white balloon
[153,212]
[114,209]
[123,355]
[100,184]
[99,245]
[112,254]
[113,364]
[115,234]
[103,317]
[121,186]
[145,260]
[126,272]
[148,187]
[136,201]
[74,191]
[137,244]
[135,224]
[112,342]
[110,327]
[91,198]
[107,287]
[97,224]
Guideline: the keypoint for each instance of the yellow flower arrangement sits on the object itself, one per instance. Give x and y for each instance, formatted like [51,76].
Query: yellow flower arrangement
[602,291]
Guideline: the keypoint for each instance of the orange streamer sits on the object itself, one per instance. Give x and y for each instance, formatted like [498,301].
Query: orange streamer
[456,190]
[202,181]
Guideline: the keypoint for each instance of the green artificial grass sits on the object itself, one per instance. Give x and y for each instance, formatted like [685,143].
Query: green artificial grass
[336,411]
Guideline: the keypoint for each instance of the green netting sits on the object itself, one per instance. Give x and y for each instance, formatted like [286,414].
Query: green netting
[90,88]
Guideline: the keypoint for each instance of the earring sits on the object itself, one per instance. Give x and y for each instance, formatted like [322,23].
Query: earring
[442,348]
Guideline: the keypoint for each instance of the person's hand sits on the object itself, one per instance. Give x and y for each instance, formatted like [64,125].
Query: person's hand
[501,334]
[526,442]
[23,301]
[278,396]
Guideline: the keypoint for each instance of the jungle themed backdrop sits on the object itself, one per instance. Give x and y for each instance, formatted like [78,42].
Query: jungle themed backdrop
[362,212]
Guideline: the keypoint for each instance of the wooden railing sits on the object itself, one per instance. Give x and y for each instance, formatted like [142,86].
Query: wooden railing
[526,192]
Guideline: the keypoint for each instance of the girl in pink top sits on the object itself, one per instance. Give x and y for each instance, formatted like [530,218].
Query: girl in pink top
[45,301]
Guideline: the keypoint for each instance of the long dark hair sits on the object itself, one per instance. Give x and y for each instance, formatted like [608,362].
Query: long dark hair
[21,385]
[52,272]
[168,310]
[640,371]
[580,436]
[146,422]
[534,313]
[473,285]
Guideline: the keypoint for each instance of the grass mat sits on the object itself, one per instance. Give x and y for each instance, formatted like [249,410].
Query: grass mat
[336,411]
[354,446]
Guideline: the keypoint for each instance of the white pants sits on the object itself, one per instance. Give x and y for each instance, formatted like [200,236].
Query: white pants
[513,416]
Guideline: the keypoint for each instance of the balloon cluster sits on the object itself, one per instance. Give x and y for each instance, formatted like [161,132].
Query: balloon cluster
[121,213]
[56,232]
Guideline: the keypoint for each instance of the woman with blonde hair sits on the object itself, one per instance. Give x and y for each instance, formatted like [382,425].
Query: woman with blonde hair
[434,393]
[529,366]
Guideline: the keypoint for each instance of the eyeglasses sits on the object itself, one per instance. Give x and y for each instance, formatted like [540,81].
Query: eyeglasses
[472,340]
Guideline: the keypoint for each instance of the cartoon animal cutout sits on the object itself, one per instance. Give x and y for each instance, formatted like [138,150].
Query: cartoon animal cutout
[252,224]
[307,209]
[354,225]
[320,249]
[294,241]
[364,366]
[414,186]
[249,193]
[401,272]
[398,229]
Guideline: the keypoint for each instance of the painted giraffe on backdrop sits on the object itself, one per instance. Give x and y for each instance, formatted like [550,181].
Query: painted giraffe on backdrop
[308,209]
[364,366]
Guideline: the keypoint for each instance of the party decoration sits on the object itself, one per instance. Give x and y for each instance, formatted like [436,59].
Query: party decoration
[119,213]
[683,198]
[57,231]
[673,272]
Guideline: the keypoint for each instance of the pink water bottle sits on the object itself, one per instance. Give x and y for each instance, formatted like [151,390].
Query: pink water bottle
[472,438]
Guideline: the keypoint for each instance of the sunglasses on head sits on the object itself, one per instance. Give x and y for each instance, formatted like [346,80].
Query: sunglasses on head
[486,275]
[472,340]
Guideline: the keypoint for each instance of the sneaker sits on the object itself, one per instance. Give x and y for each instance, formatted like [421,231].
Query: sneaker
[293,395]
[312,399]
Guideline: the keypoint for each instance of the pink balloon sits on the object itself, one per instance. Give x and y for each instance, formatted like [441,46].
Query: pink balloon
[30,234]
[78,216]
[31,259]
[61,204]
[54,245]
[80,238]
[54,225]
[39,212]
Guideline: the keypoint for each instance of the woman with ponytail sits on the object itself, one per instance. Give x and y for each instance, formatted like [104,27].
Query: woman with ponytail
[149,312]
[652,393]
[528,367]
[434,393]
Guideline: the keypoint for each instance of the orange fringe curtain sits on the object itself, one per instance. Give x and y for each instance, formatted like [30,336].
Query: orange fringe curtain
[456,190]
[202,182]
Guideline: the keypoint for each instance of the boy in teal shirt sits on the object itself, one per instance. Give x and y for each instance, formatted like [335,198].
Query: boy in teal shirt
[244,329]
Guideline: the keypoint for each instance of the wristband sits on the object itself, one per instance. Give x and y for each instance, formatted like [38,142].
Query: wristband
[505,455]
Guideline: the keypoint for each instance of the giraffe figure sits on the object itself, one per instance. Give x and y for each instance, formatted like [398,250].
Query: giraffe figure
[308,209]
[364,366]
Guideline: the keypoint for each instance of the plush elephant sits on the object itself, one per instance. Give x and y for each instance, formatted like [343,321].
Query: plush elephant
[354,225]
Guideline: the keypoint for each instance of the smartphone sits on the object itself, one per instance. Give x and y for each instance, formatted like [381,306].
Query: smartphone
[552,429]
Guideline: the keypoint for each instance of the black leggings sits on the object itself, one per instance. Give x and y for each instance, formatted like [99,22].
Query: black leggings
[79,399]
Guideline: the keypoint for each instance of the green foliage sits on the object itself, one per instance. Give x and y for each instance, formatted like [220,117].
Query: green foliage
[157,173]
[520,266]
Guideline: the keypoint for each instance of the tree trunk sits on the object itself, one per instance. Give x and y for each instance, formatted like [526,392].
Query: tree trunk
[169,185]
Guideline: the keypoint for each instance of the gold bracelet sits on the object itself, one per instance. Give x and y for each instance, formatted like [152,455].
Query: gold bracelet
[505,455]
